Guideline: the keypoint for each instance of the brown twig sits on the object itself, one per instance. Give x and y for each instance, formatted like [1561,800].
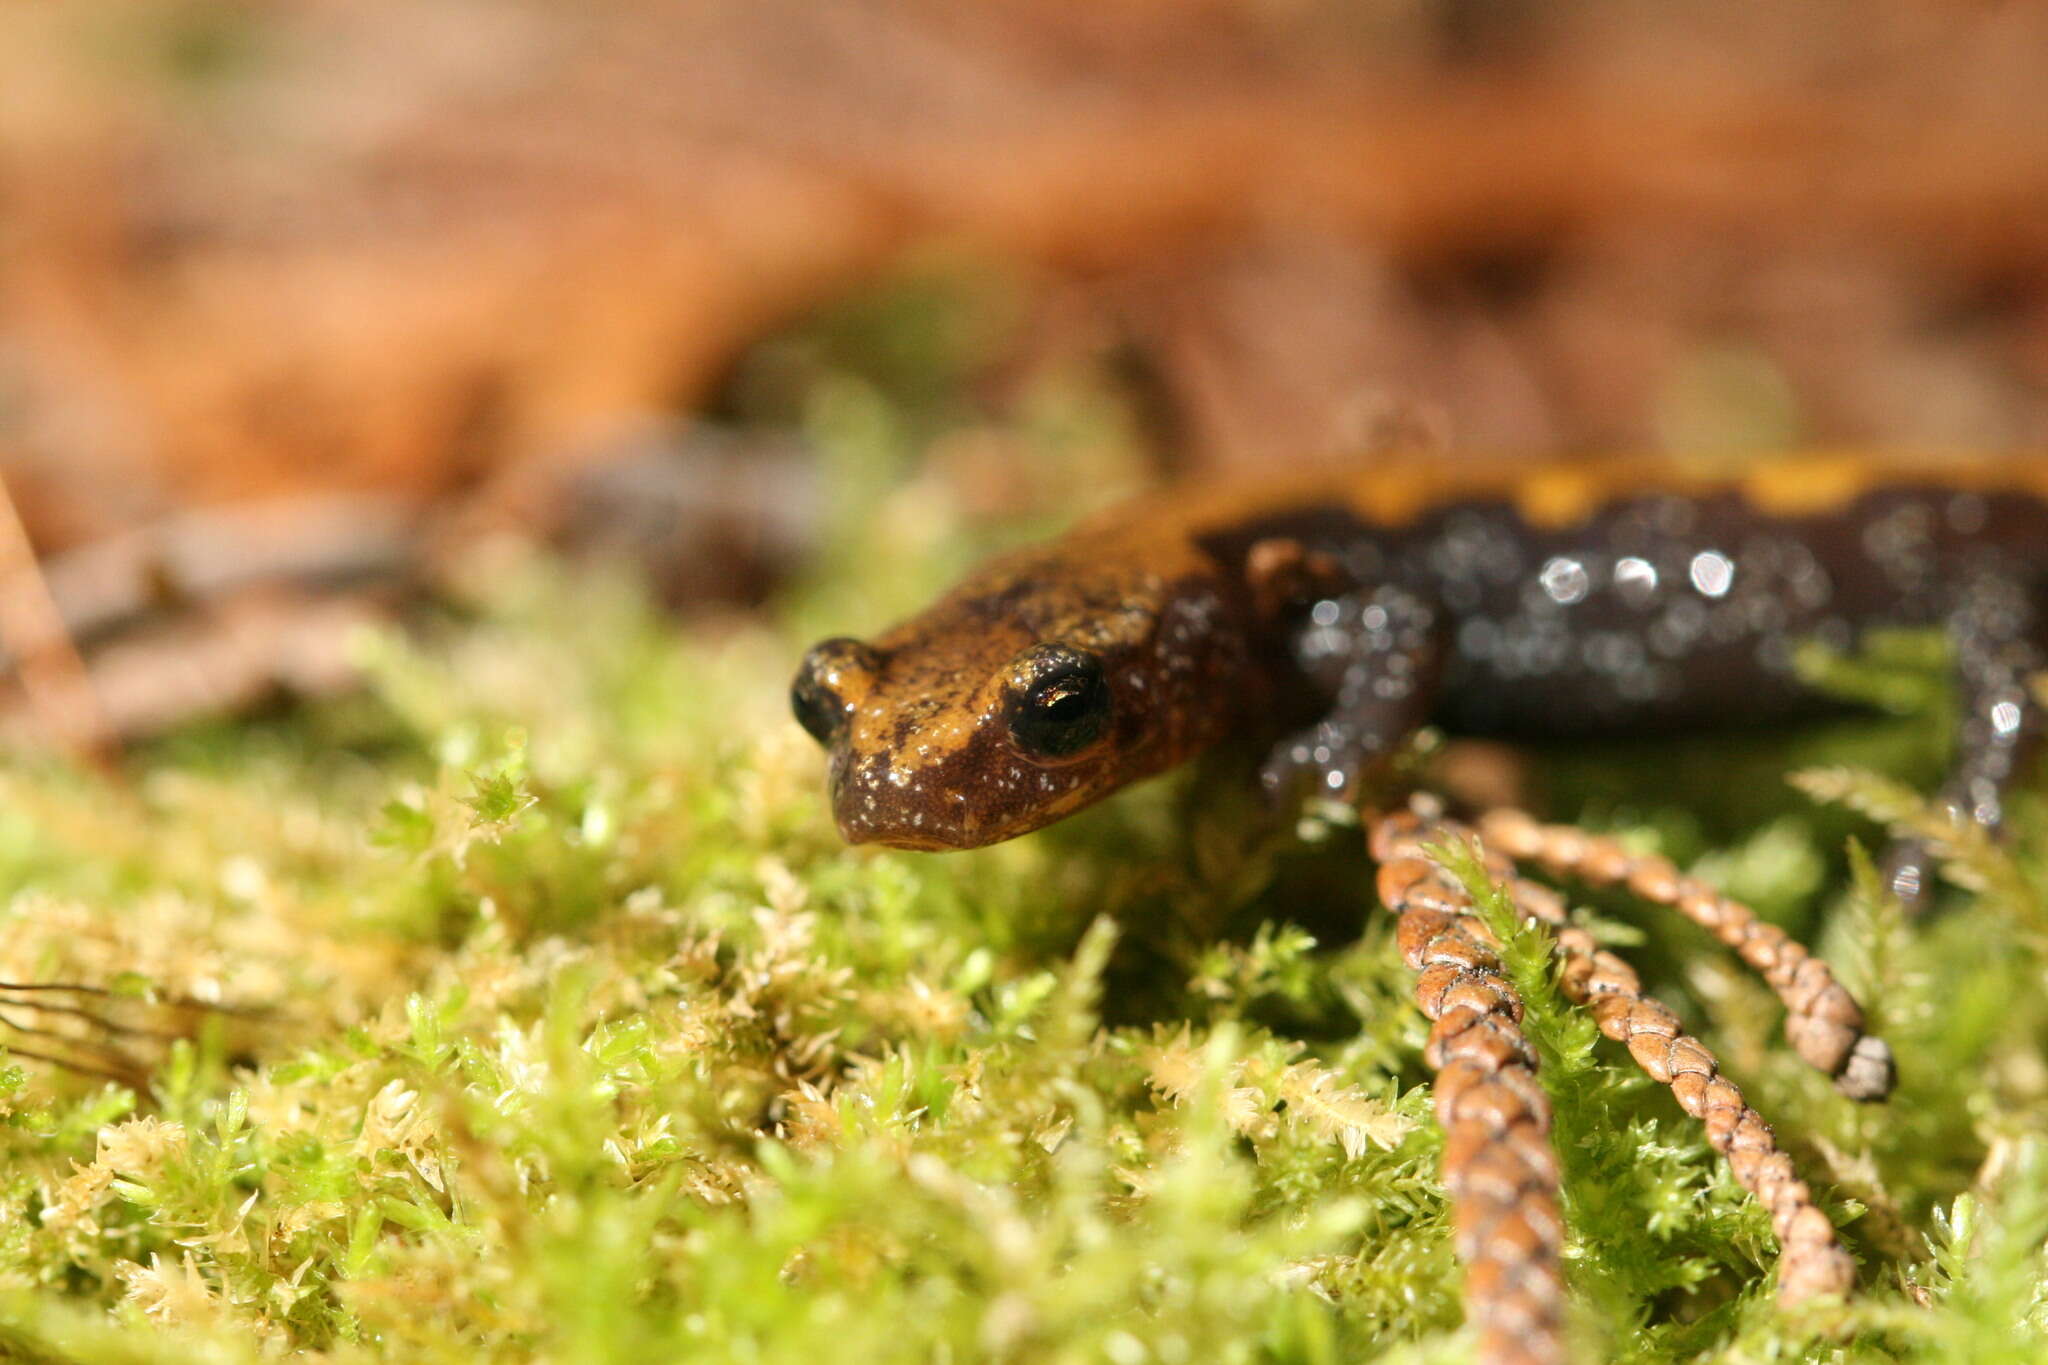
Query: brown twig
[1823,1022]
[71,1051]
[52,674]
[207,555]
[96,1019]
[79,1027]
[224,656]
[1497,1164]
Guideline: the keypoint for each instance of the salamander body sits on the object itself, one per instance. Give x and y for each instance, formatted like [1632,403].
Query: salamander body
[1332,616]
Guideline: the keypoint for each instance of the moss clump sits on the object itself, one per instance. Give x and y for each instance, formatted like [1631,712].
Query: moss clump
[593,1043]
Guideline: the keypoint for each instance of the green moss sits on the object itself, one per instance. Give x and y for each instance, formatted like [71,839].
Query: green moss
[589,1040]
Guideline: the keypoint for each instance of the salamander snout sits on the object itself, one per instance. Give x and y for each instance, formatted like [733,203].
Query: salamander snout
[932,748]
[872,802]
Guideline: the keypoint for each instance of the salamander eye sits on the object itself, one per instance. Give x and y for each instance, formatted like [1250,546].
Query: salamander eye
[1058,703]
[818,696]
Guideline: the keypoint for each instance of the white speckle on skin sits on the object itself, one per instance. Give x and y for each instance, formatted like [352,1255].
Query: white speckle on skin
[1985,807]
[1565,580]
[1674,633]
[1635,580]
[1900,544]
[1611,652]
[1712,572]
[1478,637]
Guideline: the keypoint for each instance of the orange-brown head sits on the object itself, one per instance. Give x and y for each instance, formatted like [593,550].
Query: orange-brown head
[1041,684]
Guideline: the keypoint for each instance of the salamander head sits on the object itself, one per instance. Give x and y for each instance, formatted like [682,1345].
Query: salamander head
[1008,705]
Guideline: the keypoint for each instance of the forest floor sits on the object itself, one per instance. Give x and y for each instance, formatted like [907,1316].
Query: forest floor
[561,1026]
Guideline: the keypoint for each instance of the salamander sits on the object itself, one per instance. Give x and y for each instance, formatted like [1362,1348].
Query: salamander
[1329,616]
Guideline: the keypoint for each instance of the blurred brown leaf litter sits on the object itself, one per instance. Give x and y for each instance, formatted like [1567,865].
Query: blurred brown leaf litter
[436,263]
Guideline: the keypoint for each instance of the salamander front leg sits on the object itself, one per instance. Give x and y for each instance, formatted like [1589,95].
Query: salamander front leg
[1374,653]
[1998,626]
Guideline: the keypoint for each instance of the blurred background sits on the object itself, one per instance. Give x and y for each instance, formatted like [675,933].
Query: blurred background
[302,302]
